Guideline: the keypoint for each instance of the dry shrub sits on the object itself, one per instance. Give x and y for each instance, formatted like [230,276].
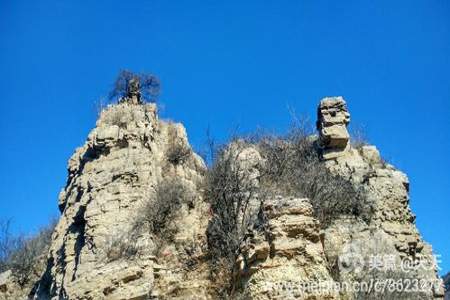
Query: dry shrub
[358,137]
[178,153]
[120,115]
[7,244]
[229,188]
[122,246]
[117,117]
[155,218]
[232,193]
[24,256]
[171,195]
[292,167]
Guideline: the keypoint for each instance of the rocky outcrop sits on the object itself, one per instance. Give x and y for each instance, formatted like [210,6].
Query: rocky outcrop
[290,250]
[279,258]
[391,231]
[447,286]
[104,248]
[350,245]
[5,283]
[332,120]
[110,179]
[391,237]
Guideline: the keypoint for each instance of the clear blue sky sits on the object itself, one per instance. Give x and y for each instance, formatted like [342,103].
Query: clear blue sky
[235,63]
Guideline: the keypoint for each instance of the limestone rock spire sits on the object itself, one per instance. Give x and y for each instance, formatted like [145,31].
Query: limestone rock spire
[332,121]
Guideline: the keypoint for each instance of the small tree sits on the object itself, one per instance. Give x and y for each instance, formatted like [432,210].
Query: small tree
[229,189]
[143,86]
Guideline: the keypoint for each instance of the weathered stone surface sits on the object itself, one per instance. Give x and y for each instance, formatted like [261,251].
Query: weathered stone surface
[392,231]
[275,262]
[110,178]
[332,120]
[119,168]
[447,286]
[5,278]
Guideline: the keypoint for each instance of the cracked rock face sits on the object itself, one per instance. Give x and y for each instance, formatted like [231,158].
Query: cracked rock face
[275,262]
[293,249]
[130,152]
[110,178]
[390,235]
[447,286]
[332,120]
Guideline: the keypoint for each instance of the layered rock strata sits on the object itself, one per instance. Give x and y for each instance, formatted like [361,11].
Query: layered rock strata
[332,120]
[102,247]
[281,259]
[111,178]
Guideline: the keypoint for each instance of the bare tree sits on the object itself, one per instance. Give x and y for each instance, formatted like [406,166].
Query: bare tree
[143,86]
[229,189]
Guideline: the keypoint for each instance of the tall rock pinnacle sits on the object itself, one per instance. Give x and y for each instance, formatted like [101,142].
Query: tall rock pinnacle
[111,179]
[332,120]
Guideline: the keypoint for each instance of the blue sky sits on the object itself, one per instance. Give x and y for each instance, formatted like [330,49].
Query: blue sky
[228,64]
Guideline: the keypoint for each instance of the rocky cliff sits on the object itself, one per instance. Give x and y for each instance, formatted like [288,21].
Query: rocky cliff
[111,241]
[447,286]
[124,161]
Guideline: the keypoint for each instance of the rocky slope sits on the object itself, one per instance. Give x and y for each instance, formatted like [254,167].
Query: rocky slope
[104,247]
[447,286]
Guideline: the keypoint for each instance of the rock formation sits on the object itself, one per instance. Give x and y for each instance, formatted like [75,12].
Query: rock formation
[110,178]
[5,280]
[391,234]
[293,249]
[447,286]
[103,246]
[274,262]
[332,120]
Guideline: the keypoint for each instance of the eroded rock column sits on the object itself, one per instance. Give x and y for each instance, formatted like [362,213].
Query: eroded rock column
[332,120]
